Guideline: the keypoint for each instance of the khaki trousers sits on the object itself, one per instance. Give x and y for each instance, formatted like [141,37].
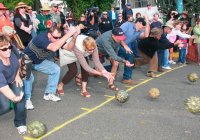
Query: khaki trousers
[153,62]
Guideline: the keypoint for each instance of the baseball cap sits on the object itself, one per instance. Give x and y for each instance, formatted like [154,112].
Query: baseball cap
[54,5]
[141,20]
[118,33]
[128,4]
[155,31]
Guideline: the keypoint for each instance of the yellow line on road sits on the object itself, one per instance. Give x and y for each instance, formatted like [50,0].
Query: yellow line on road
[95,108]
[108,96]
[86,109]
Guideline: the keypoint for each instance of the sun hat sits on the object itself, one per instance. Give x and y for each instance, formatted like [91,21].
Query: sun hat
[168,24]
[45,7]
[118,33]
[185,13]
[2,7]
[20,4]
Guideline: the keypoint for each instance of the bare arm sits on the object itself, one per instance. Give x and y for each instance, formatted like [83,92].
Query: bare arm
[59,43]
[147,28]
[8,93]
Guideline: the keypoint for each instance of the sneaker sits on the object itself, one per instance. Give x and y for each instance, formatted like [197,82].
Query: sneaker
[22,129]
[151,74]
[51,97]
[172,62]
[167,67]
[129,82]
[29,105]
[180,63]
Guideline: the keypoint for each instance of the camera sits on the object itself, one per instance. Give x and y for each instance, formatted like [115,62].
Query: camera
[93,11]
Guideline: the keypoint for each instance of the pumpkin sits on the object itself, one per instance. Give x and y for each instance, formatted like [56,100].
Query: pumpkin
[36,129]
[192,104]
[121,96]
[192,77]
[154,93]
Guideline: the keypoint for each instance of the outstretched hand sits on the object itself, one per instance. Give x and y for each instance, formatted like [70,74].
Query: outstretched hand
[128,50]
[128,64]
[109,76]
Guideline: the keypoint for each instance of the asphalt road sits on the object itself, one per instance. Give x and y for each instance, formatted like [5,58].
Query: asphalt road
[101,117]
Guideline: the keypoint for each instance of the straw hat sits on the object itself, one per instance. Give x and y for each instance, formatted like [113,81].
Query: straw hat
[185,12]
[168,24]
[45,7]
[20,4]
[2,7]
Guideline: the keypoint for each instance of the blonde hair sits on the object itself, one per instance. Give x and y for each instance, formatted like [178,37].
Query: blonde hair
[89,43]
[4,40]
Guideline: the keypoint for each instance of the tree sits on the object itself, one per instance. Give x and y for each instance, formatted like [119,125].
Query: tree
[192,6]
[12,3]
[79,6]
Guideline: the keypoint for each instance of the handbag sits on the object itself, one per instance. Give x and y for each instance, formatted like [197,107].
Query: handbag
[25,67]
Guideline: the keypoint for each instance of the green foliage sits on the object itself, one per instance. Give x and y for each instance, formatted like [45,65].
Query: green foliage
[79,6]
[166,5]
[192,6]
[12,3]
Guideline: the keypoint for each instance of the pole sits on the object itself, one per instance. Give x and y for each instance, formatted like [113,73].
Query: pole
[179,6]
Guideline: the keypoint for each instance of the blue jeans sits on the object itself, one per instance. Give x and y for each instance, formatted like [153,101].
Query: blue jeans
[113,23]
[127,70]
[135,48]
[53,72]
[33,33]
[182,55]
[163,58]
[28,87]
[19,108]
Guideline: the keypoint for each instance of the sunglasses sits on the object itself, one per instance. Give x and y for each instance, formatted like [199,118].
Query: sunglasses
[89,49]
[5,49]
[23,7]
[55,6]
[55,37]
[29,9]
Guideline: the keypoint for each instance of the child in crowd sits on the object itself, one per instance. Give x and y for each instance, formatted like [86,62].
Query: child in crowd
[183,50]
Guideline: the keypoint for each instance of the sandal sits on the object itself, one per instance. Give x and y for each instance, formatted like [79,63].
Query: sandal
[78,80]
[85,94]
[60,92]
[113,87]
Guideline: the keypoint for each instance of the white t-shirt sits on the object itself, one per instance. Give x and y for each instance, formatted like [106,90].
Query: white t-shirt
[67,57]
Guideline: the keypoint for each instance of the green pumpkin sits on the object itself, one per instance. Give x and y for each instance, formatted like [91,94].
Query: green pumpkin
[36,129]
[154,93]
[192,77]
[121,96]
[192,104]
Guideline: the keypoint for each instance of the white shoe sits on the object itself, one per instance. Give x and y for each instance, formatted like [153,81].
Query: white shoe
[167,68]
[51,97]
[29,105]
[22,129]
[172,62]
